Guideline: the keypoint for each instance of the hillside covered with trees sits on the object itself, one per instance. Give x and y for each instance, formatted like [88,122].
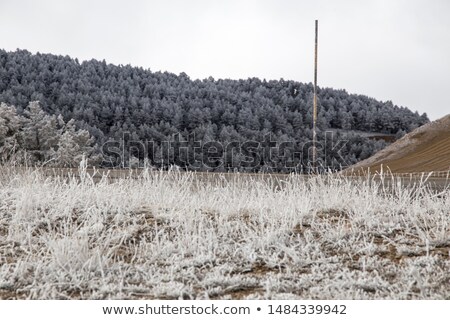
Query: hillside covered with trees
[160,118]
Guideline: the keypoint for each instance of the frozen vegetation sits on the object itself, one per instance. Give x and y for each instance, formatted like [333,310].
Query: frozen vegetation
[168,235]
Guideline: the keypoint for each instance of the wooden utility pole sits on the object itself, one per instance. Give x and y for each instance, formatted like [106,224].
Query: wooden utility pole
[314,155]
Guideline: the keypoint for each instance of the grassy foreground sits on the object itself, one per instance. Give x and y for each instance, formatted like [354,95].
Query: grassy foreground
[171,236]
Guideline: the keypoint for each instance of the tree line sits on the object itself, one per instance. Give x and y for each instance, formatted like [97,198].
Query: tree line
[174,120]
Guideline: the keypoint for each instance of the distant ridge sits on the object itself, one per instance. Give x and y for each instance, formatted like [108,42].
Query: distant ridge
[425,149]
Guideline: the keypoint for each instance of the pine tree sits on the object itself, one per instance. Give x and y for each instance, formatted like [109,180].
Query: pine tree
[40,133]
[73,145]
[9,132]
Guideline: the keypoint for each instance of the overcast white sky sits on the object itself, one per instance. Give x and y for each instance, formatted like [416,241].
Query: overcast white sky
[395,50]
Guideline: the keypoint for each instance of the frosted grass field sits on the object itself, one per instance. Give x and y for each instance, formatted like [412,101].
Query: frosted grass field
[171,236]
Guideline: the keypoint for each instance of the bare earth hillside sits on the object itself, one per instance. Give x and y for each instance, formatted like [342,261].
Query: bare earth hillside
[425,149]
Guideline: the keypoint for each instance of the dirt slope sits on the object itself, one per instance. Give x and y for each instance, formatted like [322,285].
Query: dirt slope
[423,150]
